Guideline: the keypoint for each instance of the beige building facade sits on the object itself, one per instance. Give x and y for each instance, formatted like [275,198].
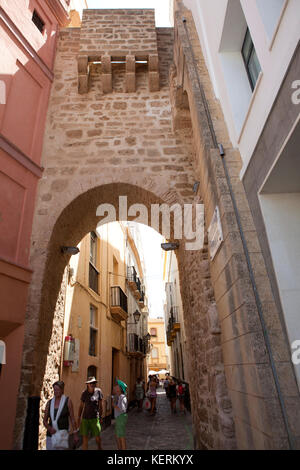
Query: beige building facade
[99,336]
[158,358]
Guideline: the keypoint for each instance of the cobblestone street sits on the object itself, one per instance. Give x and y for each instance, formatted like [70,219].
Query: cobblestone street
[163,431]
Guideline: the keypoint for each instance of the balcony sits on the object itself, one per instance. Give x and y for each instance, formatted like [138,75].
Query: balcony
[136,346]
[132,280]
[118,304]
[174,312]
[135,285]
[169,339]
[141,301]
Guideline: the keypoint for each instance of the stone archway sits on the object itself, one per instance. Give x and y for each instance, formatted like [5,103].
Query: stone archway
[71,224]
[99,146]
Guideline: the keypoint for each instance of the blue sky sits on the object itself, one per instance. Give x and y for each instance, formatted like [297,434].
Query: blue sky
[161,7]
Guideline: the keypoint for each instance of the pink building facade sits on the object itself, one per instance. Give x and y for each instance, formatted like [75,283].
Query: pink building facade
[28,33]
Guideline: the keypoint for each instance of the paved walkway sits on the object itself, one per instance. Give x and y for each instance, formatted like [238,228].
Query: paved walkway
[163,431]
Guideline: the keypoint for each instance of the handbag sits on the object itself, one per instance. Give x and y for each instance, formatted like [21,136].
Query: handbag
[59,440]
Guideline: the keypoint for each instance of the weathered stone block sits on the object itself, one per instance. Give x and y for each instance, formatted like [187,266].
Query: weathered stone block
[153,81]
[83,84]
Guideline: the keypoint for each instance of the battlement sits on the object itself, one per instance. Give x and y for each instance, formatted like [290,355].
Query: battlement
[118,35]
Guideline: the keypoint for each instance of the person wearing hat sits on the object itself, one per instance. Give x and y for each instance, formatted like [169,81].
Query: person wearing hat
[90,413]
[119,404]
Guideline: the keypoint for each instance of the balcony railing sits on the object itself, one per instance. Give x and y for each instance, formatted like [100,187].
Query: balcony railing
[174,314]
[131,274]
[174,320]
[135,284]
[118,303]
[136,345]
[93,278]
[142,298]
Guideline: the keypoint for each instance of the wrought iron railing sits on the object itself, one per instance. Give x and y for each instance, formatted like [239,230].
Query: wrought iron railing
[131,274]
[118,298]
[174,314]
[136,344]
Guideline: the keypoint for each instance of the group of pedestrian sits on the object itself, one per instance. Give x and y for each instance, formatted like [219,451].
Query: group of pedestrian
[59,414]
[59,411]
[175,390]
[148,391]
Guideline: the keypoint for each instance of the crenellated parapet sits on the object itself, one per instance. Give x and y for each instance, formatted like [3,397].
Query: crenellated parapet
[117,37]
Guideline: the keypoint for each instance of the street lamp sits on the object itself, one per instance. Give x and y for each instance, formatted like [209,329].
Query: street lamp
[170,246]
[136,317]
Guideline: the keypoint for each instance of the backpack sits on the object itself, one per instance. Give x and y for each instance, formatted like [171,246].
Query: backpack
[180,390]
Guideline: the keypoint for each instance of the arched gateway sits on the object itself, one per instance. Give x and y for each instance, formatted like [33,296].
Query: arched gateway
[127,118]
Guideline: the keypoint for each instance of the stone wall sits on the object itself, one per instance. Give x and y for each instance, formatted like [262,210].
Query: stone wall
[258,414]
[211,405]
[97,146]
[118,33]
[54,357]
[100,144]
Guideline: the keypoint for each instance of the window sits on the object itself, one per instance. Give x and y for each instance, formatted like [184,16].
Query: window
[93,331]
[93,249]
[93,271]
[154,353]
[250,59]
[153,331]
[39,23]
[115,271]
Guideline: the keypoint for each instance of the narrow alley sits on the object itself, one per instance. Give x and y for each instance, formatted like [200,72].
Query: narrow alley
[163,431]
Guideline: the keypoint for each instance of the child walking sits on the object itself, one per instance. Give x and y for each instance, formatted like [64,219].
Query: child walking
[119,404]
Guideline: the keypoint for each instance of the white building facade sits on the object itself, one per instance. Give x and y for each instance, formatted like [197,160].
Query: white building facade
[251,49]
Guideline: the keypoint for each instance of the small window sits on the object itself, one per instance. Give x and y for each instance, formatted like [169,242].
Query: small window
[251,60]
[153,331]
[93,331]
[154,353]
[39,23]
[93,249]
[93,272]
